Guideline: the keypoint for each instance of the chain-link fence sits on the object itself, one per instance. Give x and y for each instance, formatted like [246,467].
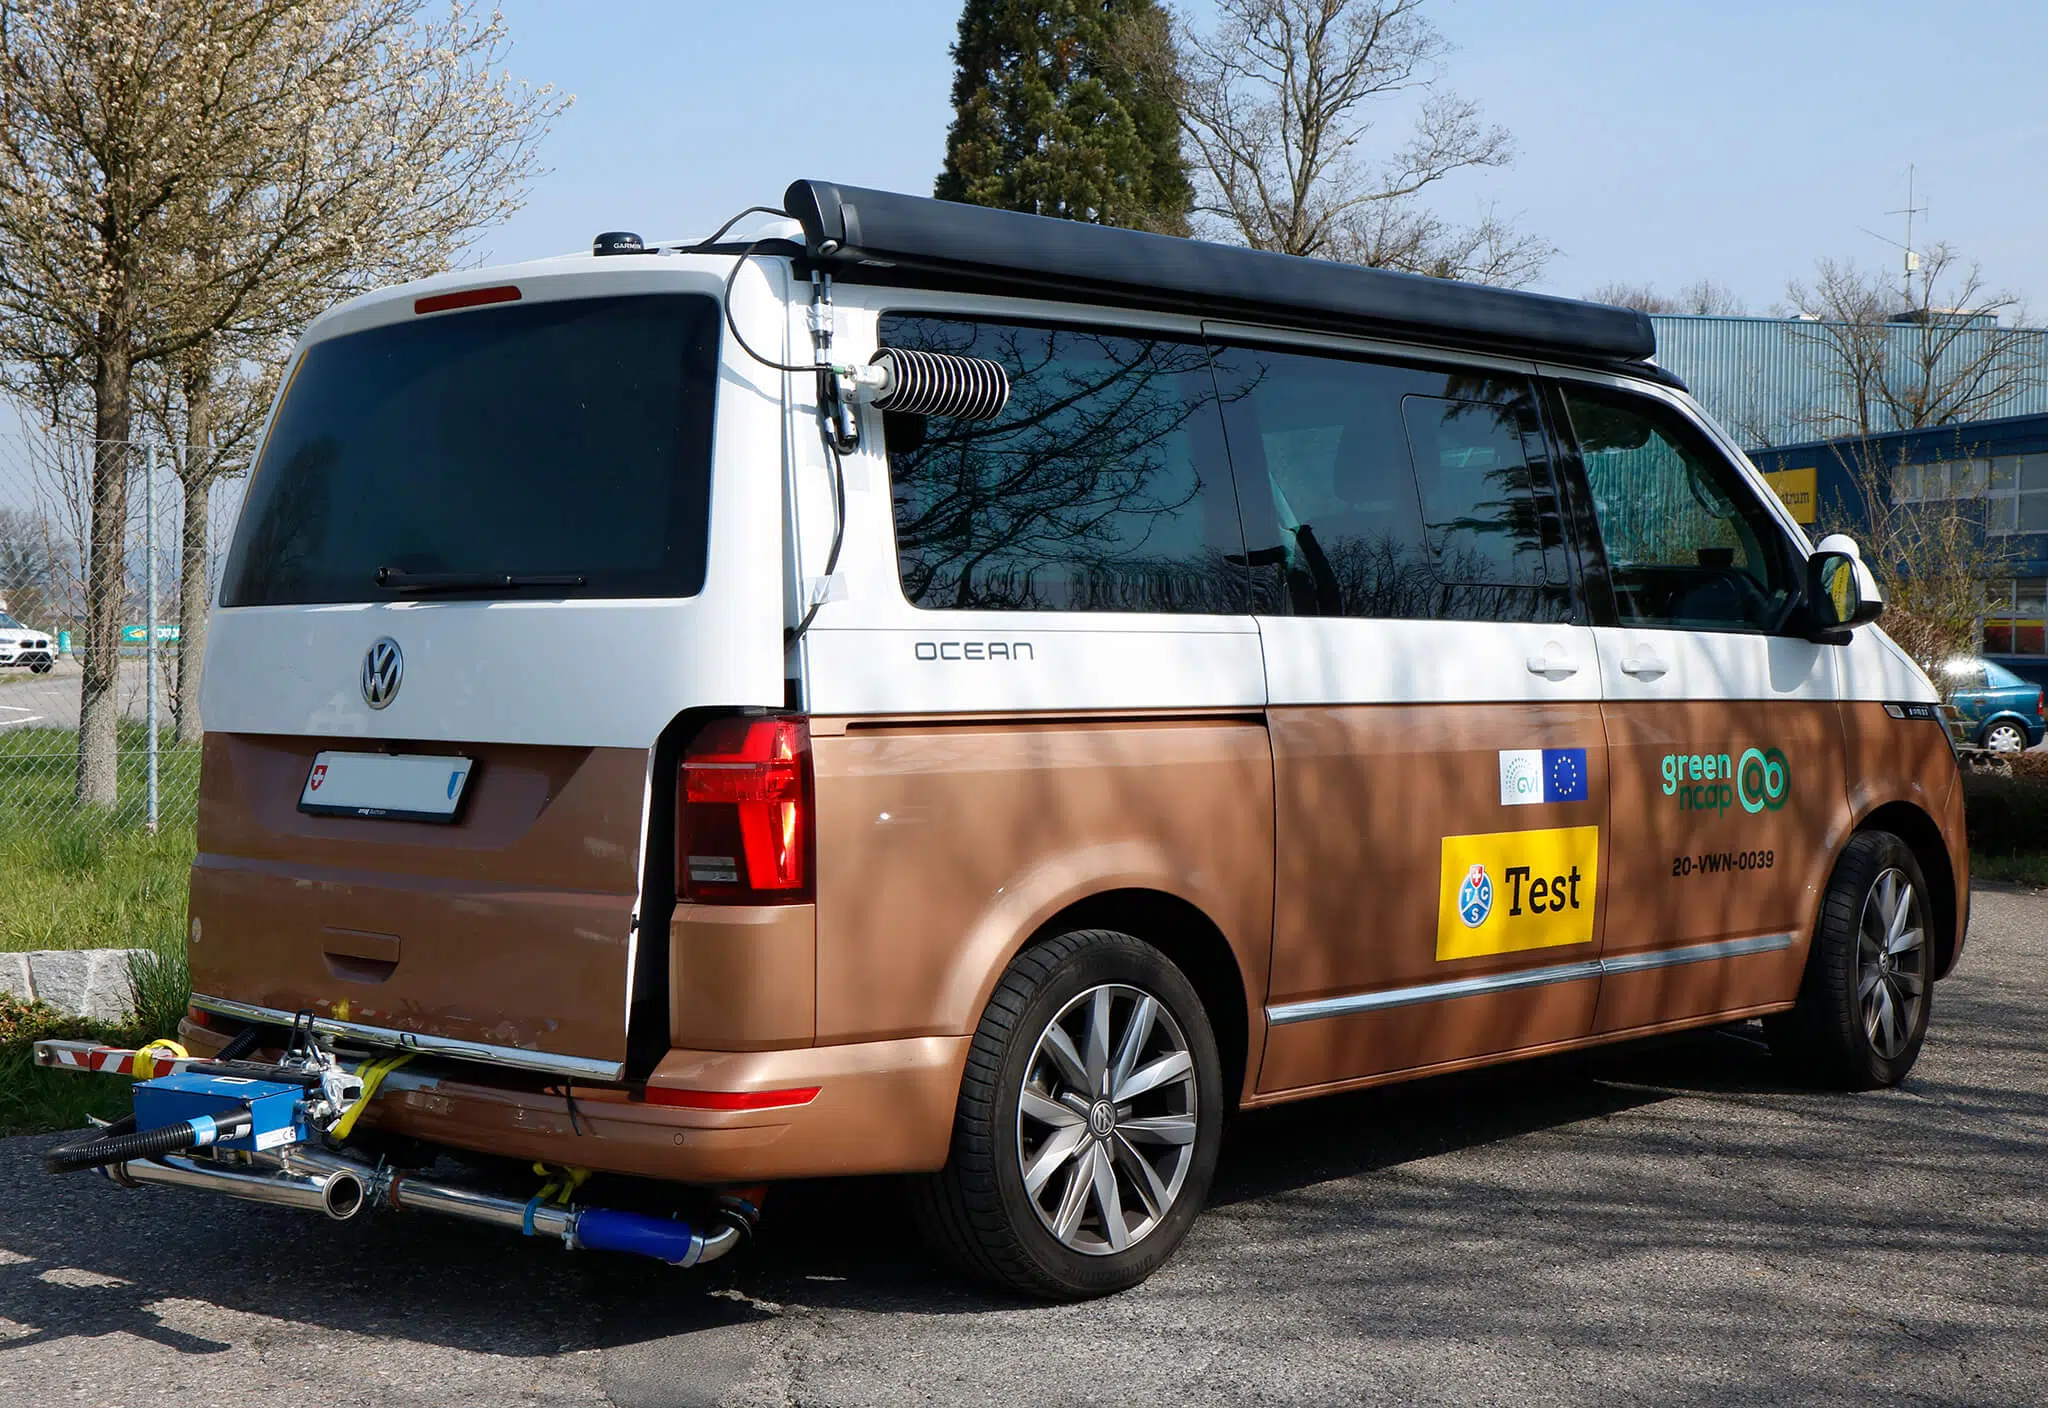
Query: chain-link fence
[108,562]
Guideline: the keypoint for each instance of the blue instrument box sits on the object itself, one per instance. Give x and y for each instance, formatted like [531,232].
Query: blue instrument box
[277,1110]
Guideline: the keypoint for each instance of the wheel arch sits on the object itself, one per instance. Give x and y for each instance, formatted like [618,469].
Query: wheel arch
[1923,836]
[1195,944]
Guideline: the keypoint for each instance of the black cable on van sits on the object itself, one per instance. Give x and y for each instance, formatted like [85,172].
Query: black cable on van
[792,634]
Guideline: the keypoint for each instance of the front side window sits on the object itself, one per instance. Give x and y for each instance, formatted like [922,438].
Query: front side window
[1688,545]
[1375,489]
[1102,486]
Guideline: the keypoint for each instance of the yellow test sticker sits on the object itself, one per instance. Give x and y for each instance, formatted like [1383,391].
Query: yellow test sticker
[1512,890]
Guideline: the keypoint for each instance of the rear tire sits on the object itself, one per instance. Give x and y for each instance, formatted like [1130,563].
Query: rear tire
[1869,985]
[2005,737]
[1056,1187]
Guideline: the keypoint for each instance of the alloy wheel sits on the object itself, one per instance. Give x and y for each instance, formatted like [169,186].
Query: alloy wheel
[1891,969]
[1107,1118]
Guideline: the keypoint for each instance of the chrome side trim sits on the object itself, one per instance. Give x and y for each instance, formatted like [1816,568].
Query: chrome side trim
[1429,992]
[1318,1008]
[1696,953]
[518,1058]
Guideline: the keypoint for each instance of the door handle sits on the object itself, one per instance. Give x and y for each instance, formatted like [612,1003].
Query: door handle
[1552,665]
[1643,667]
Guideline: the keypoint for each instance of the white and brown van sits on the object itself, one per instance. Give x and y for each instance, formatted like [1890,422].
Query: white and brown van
[1205,679]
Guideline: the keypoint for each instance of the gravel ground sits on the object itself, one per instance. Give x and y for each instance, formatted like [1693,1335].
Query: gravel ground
[1663,1225]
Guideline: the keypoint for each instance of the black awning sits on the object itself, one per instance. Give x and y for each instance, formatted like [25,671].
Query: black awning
[850,228]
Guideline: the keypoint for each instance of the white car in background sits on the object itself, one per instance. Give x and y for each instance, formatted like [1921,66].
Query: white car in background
[21,646]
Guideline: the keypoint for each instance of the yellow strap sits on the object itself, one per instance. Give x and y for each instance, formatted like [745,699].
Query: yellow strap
[142,1070]
[562,1183]
[373,1073]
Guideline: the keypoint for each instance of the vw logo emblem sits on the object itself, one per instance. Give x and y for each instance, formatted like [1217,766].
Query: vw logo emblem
[383,672]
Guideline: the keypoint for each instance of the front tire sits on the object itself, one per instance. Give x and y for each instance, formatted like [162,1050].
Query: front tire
[1089,1120]
[1869,985]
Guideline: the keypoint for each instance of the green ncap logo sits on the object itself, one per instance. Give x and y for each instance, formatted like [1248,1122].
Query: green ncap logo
[1711,782]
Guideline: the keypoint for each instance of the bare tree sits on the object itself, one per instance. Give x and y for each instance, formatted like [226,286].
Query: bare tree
[28,574]
[1701,297]
[1932,558]
[1280,104]
[175,172]
[1934,352]
[207,407]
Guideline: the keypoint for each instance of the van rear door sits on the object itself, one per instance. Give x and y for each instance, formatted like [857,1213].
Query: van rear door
[483,530]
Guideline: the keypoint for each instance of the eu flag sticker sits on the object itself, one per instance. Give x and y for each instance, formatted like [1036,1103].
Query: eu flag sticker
[1529,776]
[1564,774]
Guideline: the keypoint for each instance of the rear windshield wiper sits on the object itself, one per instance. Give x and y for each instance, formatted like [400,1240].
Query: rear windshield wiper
[399,580]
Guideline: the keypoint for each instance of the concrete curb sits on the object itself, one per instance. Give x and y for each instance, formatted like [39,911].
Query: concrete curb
[95,983]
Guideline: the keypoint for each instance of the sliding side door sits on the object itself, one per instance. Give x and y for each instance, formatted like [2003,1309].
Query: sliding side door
[1439,768]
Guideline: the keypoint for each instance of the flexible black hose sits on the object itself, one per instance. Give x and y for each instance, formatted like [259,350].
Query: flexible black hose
[112,1148]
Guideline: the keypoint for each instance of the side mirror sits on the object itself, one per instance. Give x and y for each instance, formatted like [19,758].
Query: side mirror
[1841,594]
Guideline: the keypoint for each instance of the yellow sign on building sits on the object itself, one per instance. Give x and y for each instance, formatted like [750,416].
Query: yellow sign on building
[1797,489]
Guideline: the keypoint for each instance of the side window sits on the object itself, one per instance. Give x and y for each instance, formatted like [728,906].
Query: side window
[1102,487]
[1688,544]
[1381,490]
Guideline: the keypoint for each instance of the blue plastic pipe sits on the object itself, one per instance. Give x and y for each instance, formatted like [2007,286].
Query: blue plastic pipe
[606,1230]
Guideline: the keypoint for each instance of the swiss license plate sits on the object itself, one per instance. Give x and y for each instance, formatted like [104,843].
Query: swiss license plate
[390,786]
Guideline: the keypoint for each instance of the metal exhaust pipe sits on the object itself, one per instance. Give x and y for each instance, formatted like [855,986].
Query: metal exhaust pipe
[340,1193]
[298,1176]
[676,1243]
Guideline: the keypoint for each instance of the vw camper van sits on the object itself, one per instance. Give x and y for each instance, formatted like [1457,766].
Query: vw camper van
[915,689]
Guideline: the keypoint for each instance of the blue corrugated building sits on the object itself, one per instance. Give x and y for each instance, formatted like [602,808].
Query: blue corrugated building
[1767,380]
[2000,467]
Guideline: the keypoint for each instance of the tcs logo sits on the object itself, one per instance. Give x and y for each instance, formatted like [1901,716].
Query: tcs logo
[1511,890]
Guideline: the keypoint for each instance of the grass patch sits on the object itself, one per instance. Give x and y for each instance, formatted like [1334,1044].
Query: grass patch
[89,879]
[92,879]
[2011,870]
[34,1100]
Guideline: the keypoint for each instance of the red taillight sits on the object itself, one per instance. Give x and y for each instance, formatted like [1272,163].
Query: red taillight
[466,298]
[730,1099]
[744,817]
[2041,703]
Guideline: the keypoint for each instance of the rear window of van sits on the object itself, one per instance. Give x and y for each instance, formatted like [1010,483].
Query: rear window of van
[565,441]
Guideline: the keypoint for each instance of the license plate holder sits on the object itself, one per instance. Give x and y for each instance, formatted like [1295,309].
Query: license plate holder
[387,786]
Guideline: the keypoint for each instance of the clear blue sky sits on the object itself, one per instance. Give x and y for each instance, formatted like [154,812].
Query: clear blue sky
[1660,141]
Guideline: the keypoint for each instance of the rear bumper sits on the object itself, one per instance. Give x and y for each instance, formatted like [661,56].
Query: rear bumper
[880,1107]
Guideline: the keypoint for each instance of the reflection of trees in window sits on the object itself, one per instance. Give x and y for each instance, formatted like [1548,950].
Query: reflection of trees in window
[288,511]
[1088,494]
[1494,527]
[1648,511]
[1400,491]
[1684,544]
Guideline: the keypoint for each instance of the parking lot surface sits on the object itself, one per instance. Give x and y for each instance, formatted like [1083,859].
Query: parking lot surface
[1662,1225]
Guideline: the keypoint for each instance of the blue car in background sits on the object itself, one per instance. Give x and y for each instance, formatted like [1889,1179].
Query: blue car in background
[1999,710]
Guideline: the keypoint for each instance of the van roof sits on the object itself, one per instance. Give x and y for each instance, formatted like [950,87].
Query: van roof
[866,235]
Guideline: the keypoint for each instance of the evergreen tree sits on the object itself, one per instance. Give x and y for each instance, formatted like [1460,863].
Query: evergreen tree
[1047,120]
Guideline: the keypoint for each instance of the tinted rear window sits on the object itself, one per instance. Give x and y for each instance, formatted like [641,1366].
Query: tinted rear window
[565,438]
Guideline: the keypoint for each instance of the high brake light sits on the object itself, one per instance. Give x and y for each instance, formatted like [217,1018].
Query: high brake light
[745,823]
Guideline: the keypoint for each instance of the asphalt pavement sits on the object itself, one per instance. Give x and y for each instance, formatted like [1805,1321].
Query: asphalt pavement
[29,700]
[1650,1225]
